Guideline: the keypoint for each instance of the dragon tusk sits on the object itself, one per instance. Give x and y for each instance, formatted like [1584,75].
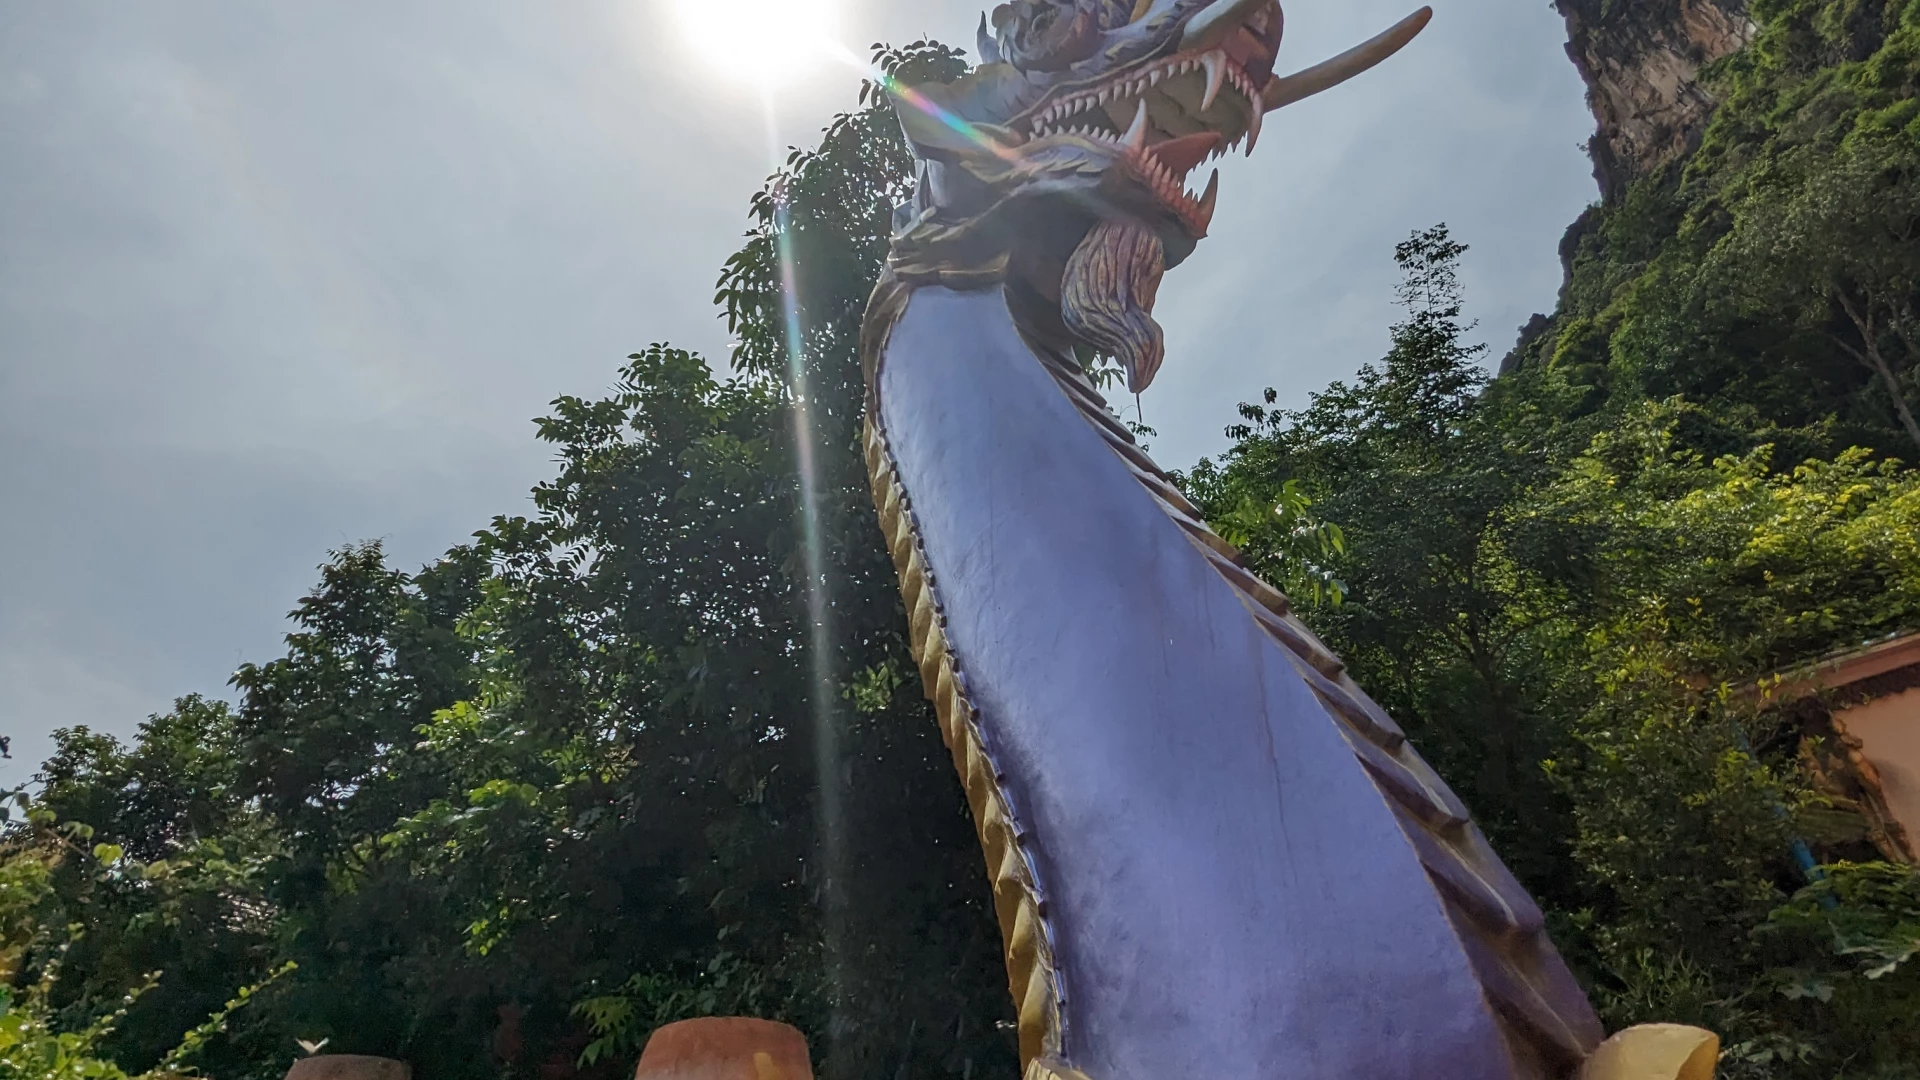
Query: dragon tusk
[1216,21]
[1331,73]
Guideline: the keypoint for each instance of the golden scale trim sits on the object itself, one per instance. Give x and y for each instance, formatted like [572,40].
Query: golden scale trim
[1031,973]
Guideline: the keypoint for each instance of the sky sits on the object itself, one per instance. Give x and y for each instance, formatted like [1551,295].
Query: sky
[279,278]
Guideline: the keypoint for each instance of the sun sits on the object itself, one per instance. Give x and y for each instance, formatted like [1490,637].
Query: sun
[759,42]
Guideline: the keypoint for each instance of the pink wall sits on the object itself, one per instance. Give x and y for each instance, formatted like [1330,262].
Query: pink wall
[1890,728]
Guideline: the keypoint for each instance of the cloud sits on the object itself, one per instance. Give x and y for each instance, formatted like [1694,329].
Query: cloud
[49,689]
[283,277]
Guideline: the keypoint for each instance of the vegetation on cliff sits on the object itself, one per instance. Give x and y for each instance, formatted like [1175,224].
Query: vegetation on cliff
[1771,274]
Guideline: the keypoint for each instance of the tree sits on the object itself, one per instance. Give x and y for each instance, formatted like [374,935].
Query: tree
[1687,795]
[1412,469]
[1558,602]
[1833,237]
[568,782]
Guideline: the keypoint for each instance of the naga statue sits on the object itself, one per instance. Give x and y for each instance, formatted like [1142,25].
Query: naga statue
[1210,853]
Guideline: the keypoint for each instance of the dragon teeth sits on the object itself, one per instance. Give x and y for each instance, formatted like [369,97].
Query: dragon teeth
[1216,65]
[1208,201]
[1136,136]
[1218,72]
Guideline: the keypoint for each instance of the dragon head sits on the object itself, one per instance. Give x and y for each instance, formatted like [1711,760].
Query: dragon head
[1060,166]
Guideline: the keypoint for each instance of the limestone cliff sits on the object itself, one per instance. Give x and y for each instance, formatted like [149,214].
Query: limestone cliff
[1641,60]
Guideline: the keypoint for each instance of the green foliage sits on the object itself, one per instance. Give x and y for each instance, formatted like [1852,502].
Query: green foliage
[1771,272]
[1744,568]
[1573,610]
[1852,939]
[33,1048]
[1292,542]
[1822,231]
[1687,479]
[573,780]
[1708,575]
[622,1020]
[1840,994]
[1680,831]
[31,1045]
[34,1045]
[1416,476]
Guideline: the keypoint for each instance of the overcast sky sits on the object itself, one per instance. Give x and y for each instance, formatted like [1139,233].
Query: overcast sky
[275,278]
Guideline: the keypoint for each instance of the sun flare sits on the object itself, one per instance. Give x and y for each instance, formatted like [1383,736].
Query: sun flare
[759,41]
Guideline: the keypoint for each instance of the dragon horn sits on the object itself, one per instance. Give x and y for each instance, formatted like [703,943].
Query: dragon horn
[1216,21]
[989,47]
[1331,73]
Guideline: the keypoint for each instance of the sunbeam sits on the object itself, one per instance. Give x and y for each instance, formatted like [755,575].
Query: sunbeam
[824,688]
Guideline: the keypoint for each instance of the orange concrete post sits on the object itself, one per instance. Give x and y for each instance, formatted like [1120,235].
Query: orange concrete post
[725,1048]
[349,1067]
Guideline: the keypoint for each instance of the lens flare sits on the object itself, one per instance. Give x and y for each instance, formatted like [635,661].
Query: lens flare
[781,41]
[824,676]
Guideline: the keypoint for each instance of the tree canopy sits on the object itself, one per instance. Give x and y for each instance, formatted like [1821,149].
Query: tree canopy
[512,811]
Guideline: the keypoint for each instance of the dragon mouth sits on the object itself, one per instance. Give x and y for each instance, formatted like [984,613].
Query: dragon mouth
[1166,117]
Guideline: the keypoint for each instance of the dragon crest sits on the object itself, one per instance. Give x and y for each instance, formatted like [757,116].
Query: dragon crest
[1060,166]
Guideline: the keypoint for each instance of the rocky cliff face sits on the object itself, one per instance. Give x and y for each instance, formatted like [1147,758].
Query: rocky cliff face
[1641,60]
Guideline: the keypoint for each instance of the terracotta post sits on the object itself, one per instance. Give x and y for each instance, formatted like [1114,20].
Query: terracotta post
[349,1067]
[725,1048]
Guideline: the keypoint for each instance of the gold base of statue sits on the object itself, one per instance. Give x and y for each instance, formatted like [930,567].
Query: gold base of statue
[1655,1052]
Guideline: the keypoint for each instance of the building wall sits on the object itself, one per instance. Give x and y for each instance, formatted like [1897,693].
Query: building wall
[1889,728]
